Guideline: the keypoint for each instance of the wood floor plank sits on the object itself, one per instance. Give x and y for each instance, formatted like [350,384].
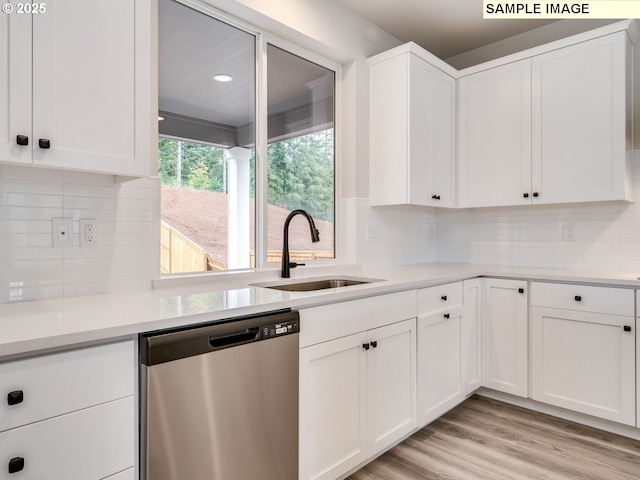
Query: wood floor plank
[488,439]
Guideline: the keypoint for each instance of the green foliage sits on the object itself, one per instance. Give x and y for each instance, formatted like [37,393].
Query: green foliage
[300,171]
[300,174]
[199,177]
[203,166]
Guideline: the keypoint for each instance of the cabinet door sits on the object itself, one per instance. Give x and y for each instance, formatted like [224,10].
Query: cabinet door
[495,136]
[584,362]
[411,133]
[86,62]
[504,336]
[391,383]
[471,338]
[440,367]
[581,121]
[440,133]
[15,87]
[333,407]
[389,130]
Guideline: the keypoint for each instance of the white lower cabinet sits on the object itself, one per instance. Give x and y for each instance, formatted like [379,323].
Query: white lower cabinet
[69,414]
[471,337]
[584,360]
[89,444]
[505,336]
[357,393]
[440,385]
[449,348]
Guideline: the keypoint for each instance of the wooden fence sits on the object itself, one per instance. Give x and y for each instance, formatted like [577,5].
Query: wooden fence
[179,254]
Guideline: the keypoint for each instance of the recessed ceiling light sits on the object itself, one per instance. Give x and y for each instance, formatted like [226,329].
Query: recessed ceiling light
[160,118]
[222,77]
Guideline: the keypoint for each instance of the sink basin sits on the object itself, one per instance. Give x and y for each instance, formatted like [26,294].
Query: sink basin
[311,285]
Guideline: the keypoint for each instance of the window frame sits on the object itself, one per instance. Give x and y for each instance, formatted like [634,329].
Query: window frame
[262,40]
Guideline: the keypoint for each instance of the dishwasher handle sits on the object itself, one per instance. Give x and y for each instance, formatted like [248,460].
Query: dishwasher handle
[236,338]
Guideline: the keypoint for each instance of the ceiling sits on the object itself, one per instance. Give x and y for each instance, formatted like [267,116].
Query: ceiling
[443,27]
[193,47]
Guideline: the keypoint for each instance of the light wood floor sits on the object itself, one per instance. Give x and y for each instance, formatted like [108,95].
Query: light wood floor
[488,439]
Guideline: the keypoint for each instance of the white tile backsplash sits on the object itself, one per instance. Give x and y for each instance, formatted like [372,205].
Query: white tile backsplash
[607,235]
[128,216]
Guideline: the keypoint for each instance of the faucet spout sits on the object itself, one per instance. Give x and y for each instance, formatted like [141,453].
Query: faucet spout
[287,265]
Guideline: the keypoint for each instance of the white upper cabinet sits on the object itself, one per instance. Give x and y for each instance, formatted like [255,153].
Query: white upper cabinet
[411,130]
[15,84]
[553,128]
[78,84]
[582,122]
[495,136]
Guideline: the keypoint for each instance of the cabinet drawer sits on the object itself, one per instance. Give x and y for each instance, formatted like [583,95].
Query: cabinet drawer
[609,300]
[64,382]
[440,298]
[320,324]
[89,444]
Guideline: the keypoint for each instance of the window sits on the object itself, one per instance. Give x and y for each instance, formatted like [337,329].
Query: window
[230,176]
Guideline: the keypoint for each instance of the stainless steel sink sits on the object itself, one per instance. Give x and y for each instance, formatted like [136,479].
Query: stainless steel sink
[316,284]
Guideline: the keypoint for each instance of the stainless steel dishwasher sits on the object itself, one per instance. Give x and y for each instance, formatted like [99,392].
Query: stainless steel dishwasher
[220,402]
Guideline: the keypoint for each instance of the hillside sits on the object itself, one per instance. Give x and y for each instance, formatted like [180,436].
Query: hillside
[202,216]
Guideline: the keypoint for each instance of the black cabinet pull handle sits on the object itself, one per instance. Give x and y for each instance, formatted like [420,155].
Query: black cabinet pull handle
[446,315]
[627,328]
[365,346]
[44,143]
[16,465]
[535,194]
[443,298]
[15,397]
[525,195]
[435,197]
[374,344]
[521,290]
[577,298]
[22,140]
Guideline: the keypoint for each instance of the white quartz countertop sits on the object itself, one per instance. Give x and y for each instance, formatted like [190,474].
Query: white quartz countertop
[31,326]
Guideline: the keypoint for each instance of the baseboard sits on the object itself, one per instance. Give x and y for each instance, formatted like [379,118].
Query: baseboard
[581,418]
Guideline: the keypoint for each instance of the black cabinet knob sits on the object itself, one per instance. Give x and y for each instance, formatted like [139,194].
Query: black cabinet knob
[365,346]
[627,328]
[22,140]
[525,195]
[44,143]
[374,344]
[446,315]
[16,465]
[577,298]
[15,397]
[444,298]
[435,197]
[535,194]
[521,290]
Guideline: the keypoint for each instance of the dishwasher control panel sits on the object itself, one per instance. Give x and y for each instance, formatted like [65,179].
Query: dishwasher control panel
[279,329]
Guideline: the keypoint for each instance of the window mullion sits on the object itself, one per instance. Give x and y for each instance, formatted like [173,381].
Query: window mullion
[261,153]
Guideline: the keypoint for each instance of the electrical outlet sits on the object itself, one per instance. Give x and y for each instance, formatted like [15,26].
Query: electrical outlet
[569,232]
[62,231]
[88,232]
